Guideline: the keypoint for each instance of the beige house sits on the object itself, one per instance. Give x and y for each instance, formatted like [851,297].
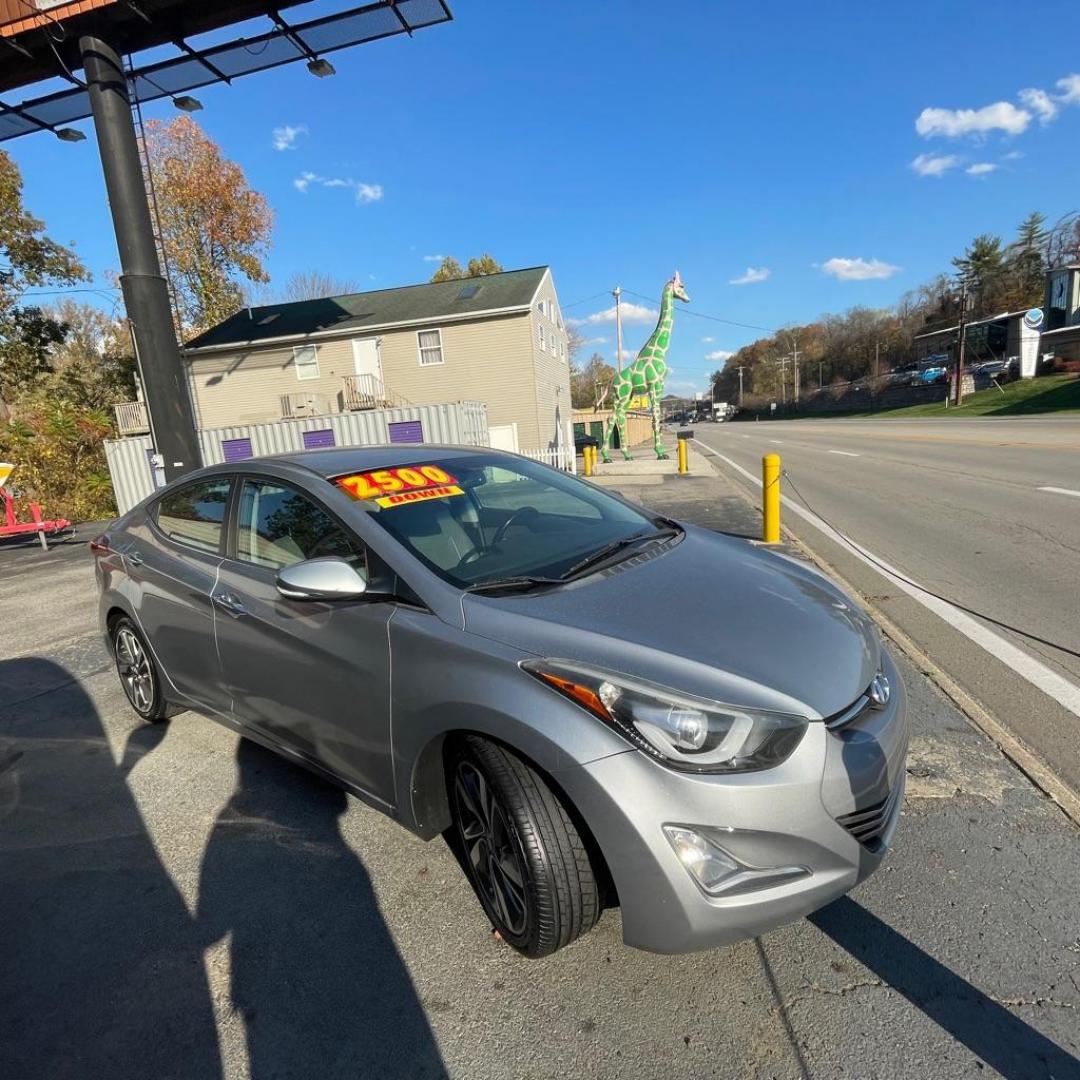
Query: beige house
[499,339]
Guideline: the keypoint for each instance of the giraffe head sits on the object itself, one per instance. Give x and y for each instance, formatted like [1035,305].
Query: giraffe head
[677,290]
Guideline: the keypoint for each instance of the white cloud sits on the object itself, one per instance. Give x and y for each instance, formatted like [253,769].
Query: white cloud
[1013,155]
[981,168]
[1070,90]
[631,313]
[954,123]
[751,277]
[595,341]
[719,354]
[707,340]
[935,164]
[434,258]
[284,137]
[363,193]
[626,354]
[1040,103]
[859,269]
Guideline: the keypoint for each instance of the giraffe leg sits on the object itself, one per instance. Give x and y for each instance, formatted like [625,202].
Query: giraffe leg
[658,440]
[616,401]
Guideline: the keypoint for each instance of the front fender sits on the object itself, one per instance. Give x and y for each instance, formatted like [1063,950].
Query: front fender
[446,682]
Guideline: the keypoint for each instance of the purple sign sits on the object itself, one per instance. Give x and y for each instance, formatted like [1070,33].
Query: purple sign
[236,449]
[406,431]
[318,440]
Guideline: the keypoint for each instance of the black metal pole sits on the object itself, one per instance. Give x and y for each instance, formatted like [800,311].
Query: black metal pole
[146,294]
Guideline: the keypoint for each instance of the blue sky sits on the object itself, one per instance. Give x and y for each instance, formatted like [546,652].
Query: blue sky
[619,142]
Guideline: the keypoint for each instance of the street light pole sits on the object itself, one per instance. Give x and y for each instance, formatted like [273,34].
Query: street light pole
[617,293]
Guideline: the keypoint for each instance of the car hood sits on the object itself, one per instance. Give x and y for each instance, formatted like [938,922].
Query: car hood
[709,615]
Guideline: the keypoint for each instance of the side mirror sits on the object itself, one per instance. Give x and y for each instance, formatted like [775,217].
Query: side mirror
[321,579]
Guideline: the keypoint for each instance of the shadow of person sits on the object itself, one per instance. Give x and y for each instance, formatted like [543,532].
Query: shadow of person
[102,972]
[1002,1040]
[315,974]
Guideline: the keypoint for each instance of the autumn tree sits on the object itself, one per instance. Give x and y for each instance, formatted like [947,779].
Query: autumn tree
[451,270]
[214,227]
[93,366]
[314,285]
[590,382]
[28,259]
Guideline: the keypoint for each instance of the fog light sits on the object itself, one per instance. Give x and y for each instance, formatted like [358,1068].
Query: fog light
[718,872]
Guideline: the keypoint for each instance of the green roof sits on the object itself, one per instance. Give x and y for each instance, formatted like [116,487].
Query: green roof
[382,307]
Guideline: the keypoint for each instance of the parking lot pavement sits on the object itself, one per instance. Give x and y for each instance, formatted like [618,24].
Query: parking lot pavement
[179,903]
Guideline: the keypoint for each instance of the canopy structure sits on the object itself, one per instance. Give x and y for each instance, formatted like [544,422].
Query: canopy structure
[45,44]
[135,51]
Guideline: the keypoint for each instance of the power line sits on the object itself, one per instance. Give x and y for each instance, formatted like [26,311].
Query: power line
[704,315]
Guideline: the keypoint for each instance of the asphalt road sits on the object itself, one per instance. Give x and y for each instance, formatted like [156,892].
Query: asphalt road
[983,512]
[178,903]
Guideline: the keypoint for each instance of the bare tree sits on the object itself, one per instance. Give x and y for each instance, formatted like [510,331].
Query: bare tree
[315,285]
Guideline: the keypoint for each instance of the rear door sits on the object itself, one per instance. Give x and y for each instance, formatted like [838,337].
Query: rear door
[173,566]
[312,675]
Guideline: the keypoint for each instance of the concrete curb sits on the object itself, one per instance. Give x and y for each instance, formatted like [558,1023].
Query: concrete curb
[1028,761]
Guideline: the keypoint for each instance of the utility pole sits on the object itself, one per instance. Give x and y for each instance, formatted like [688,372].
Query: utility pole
[740,369]
[958,393]
[795,362]
[617,293]
[783,362]
[820,384]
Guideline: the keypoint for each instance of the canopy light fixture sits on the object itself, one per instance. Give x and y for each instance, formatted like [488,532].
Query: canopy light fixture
[187,103]
[69,135]
[321,68]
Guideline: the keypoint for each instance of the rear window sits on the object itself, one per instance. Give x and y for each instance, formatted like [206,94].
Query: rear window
[195,514]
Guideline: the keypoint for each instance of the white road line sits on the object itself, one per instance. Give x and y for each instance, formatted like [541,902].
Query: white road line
[1027,667]
[777,441]
[845,453]
[1061,491]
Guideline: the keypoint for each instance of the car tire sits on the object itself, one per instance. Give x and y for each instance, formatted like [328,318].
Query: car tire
[520,849]
[138,672]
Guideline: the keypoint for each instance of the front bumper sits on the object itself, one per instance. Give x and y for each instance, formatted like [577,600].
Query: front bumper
[786,816]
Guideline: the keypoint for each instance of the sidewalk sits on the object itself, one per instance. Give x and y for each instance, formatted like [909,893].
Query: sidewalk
[701,496]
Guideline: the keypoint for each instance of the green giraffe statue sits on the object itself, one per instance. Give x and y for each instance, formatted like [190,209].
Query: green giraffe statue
[646,374]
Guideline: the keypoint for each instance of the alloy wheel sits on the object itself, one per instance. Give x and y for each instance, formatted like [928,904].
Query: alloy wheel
[135,671]
[491,847]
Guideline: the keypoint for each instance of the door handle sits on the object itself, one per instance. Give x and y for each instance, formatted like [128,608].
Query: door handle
[227,602]
[134,558]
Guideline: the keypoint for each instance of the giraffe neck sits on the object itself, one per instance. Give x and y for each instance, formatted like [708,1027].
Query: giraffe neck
[661,336]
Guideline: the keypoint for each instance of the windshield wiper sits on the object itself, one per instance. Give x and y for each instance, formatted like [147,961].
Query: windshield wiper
[616,546]
[512,584]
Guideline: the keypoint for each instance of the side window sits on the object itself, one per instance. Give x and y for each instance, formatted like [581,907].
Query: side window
[279,526]
[194,515]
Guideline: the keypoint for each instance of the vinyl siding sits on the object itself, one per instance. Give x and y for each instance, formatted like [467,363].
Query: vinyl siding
[551,371]
[490,360]
[247,387]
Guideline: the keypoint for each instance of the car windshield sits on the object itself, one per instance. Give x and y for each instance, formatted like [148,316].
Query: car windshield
[476,520]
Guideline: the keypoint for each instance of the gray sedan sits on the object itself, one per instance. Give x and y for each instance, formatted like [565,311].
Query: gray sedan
[595,705]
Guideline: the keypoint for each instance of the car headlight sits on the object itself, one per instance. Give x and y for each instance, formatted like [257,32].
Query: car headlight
[683,731]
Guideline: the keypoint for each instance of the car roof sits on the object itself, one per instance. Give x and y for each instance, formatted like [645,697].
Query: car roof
[343,460]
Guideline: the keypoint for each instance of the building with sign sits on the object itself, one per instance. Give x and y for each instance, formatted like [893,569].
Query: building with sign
[499,339]
[1061,332]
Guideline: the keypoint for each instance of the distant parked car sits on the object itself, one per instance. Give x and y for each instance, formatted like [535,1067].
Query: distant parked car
[931,376]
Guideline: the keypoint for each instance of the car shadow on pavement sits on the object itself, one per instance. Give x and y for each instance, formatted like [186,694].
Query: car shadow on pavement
[102,971]
[1000,1039]
[314,973]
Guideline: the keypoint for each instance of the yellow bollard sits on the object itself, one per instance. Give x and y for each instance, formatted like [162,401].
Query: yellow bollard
[770,498]
[587,460]
[684,465]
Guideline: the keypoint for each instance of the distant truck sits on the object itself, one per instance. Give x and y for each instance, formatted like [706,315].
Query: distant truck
[721,411]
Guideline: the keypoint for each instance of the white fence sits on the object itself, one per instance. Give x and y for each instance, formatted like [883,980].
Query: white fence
[559,457]
[460,423]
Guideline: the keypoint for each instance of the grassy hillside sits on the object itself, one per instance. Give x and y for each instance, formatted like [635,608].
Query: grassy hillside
[1025,397]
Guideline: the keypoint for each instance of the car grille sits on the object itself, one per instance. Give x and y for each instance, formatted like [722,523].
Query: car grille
[868,825]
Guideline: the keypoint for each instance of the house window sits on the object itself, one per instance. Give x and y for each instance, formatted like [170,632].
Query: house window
[540,336]
[306,359]
[430,343]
